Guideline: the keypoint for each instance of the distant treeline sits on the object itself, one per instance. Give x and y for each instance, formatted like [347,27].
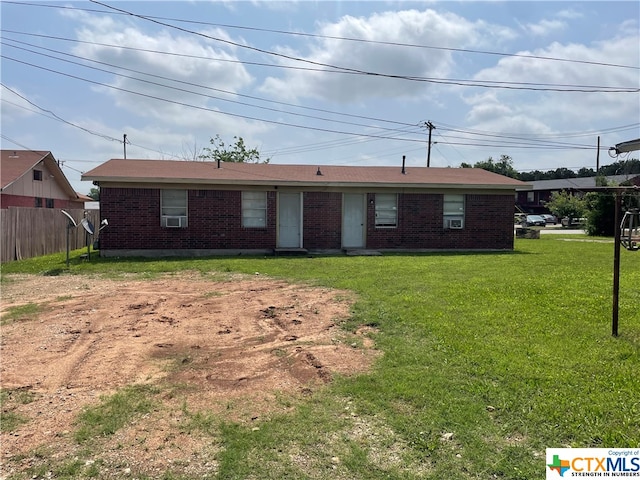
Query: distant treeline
[504,166]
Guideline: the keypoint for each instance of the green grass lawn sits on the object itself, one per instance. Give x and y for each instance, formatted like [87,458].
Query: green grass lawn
[489,358]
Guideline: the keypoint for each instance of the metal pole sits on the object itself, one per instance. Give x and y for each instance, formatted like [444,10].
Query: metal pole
[430,127]
[616,265]
[68,234]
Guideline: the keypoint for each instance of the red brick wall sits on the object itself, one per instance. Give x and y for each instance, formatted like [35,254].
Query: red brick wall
[322,220]
[16,201]
[7,201]
[215,222]
[488,224]
[214,217]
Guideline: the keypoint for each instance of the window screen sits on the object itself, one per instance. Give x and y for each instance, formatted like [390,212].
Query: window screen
[254,209]
[386,210]
[453,211]
[173,208]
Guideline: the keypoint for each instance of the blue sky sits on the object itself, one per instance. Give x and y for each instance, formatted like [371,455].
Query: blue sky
[346,83]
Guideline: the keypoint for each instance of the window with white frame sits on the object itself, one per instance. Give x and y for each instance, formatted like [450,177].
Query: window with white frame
[386,210]
[254,209]
[453,211]
[173,207]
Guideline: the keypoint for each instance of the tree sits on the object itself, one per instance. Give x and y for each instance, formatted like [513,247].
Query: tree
[237,152]
[503,167]
[600,214]
[564,204]
[94,193]
[586,172]
[563,173]
[622,167]
[600,210]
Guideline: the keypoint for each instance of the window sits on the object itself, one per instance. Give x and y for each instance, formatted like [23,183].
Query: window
[49,202]
[386,210]
[453,211]
[38,202]
[531,197]
[37,175]
[254,209]
[173,206]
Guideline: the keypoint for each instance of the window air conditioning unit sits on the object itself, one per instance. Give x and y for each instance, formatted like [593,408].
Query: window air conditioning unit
[174,222]
[456,223]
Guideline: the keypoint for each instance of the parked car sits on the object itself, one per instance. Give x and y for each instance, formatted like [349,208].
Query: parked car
[534,220]
[573,222]
[550,218]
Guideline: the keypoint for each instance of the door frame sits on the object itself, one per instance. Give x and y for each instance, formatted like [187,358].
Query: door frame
[300,223]
[363,207]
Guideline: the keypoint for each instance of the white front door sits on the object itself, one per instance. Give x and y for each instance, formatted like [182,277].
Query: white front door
[289,220]
[353,220]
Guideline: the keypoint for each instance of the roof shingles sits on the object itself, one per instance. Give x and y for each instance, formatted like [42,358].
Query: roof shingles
[167,171]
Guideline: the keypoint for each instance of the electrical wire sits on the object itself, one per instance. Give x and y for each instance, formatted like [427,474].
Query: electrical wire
[621,128]
[373,138]
[459,82]
[106,137]
[280,111]
[332,37]
[211,110]
[527,86]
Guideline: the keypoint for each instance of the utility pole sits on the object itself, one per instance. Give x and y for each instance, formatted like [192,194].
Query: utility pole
[124,144]
[430,126]
[598,158]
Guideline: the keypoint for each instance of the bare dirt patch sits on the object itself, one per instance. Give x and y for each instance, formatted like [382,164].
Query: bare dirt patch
[233,347]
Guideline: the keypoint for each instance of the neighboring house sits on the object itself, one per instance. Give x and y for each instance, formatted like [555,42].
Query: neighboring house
[534,200]
[159,207]
[34,179]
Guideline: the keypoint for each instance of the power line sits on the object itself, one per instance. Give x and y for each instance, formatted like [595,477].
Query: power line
[621,128]
[106,137]
[324,145]
[528,86]
[321,146]
[459,82]
[331,37]
[246,117]
[516,145]
[503,139]
[187,83]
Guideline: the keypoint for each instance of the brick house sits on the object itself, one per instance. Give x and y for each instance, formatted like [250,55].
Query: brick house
[159,208]
[34,179]
[539,193]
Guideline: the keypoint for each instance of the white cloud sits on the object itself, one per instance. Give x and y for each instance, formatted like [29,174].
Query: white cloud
[554,112]
[569,14]
[544,27]
[192,65]
[409,27]
[276,6]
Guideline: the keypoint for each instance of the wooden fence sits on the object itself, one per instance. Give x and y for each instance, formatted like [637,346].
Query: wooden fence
[31,232]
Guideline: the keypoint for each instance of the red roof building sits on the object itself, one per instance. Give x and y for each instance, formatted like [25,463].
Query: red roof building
[158,208]
[34,179]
